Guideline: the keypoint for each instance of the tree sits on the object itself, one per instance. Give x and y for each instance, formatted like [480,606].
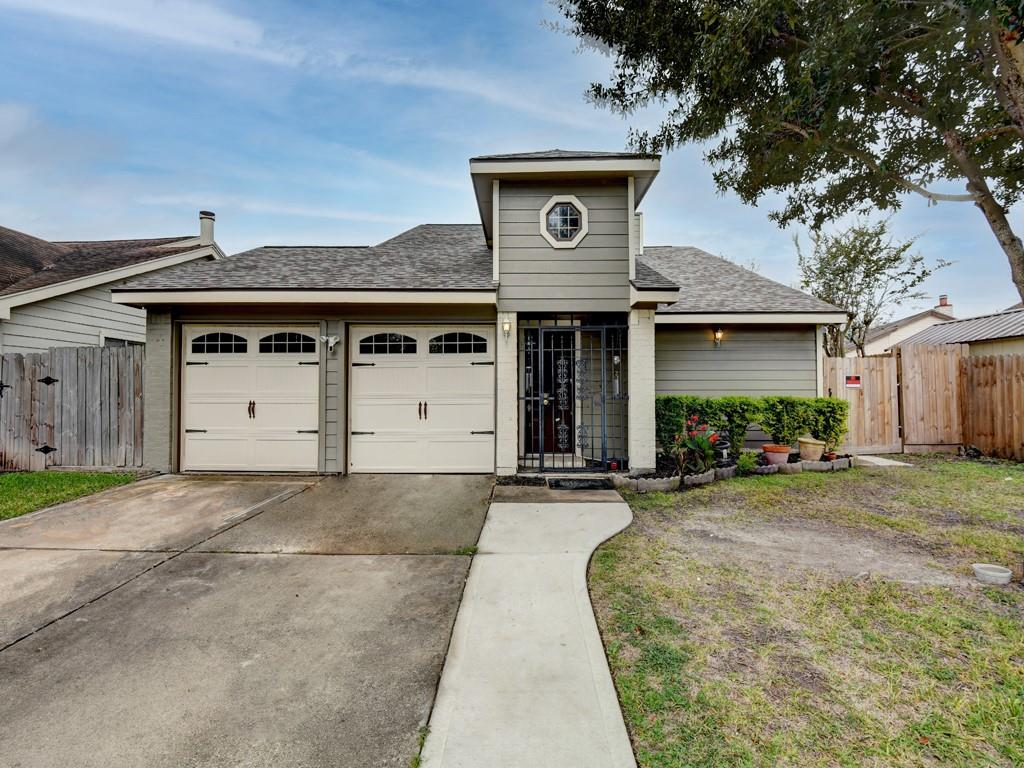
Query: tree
[864,270]
[842,106]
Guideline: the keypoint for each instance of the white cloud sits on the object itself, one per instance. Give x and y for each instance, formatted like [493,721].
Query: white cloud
[184,22]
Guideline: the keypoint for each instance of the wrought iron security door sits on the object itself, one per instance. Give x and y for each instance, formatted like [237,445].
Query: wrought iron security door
[573,395]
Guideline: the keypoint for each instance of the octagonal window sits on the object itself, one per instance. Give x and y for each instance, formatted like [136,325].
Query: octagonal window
[564,222]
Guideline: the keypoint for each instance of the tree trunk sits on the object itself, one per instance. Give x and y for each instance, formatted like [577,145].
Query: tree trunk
[994,213]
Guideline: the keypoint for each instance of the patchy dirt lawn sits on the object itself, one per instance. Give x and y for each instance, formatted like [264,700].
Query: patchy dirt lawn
[821,619]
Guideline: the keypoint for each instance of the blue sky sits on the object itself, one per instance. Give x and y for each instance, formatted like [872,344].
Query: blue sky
[344,123]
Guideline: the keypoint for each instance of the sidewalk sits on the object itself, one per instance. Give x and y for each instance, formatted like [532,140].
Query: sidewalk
[526,682]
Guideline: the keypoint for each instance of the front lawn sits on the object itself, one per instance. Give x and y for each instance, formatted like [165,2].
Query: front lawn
[23,492]
[821,619]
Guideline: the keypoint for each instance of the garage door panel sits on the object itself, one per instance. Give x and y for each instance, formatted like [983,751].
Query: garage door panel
[286,416]
[285,380]
[222,379]
[387,380]
[218,413]
[459,454]
[284,452]
[379,453]
[459,380]
[383,415]
[461,416]
[223,452]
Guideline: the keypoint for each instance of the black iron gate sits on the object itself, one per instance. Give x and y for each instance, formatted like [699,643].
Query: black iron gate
[573,394]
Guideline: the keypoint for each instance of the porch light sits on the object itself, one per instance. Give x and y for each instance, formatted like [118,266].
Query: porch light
[506,327]
[719,333]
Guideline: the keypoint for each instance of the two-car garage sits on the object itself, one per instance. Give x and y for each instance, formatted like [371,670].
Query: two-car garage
[420,398]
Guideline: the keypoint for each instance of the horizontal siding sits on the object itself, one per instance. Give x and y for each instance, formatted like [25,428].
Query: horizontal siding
[592,277]
[753,360]
[72,320]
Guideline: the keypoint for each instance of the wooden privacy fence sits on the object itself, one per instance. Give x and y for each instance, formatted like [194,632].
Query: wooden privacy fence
[71,407]
[992,404]
[931,398]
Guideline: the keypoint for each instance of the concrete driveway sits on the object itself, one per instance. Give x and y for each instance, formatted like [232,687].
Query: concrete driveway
[181,621]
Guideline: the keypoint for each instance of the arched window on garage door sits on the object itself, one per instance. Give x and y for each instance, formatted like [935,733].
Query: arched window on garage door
[387,344]
[458,343]
[288,343]
[219,343]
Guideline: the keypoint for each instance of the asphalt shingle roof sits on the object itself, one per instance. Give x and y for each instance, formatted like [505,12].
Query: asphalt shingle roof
[430,257]
[1001,325]
[562,154]
[713,284]
[28,262]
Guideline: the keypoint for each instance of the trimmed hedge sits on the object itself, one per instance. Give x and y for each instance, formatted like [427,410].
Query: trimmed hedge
[785,418]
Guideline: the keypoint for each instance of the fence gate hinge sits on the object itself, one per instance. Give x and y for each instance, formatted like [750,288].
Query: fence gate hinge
[3,387]
[48,380]
[46,449]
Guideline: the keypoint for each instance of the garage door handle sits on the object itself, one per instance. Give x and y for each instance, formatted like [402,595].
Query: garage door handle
[308,431]
[252,409]
[425,404]
[419,410]
[482,432]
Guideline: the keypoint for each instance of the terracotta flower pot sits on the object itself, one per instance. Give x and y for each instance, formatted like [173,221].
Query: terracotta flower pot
[776,454]
[810,449]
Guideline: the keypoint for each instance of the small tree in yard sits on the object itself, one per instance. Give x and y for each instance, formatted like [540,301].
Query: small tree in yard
[842,106]
[865,271]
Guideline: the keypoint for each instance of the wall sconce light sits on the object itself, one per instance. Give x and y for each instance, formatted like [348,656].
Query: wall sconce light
[506,327]
[719,333]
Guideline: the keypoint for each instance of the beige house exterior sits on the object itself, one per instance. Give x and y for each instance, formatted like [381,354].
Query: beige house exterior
[882,340]
[533,341]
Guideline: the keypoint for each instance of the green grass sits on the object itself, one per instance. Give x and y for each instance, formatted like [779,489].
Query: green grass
[470,551]
[23,492]
[740,665]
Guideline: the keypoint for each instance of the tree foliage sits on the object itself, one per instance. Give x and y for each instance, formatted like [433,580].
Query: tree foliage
[840,106]
[867,272]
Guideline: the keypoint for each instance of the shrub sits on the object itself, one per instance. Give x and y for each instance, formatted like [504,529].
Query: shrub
[734,415]
[827,420]
[746,463]
[670,415]
[785,418]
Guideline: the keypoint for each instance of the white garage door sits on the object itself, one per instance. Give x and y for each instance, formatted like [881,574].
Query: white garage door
[422,399]
[250,398]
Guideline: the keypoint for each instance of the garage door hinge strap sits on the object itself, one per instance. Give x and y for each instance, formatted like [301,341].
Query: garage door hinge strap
[194,362]
[362,365]
[307,431]
[194,431]
[489,362]
[309,362]
[482,432]
[362,433]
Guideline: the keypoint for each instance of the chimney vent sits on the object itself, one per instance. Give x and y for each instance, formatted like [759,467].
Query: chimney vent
[944,306]
[206,219]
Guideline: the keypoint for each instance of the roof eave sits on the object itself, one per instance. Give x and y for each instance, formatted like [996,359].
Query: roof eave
[751,318]
[162,296]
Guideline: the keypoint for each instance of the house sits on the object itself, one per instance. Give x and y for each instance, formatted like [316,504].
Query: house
[533,340]
[881,340]
[1001,333]
[57,294]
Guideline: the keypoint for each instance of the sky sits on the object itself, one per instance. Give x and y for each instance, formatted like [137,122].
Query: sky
[330,122]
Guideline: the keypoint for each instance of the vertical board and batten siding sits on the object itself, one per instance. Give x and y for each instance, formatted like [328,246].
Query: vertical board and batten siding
[930,395]
[333,413]
[752,360]
[874,420]
[992,404]
[592,277]
[91,415]
[72,320]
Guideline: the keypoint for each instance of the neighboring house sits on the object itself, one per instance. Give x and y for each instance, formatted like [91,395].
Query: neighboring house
[881,340]
[1001,333]
[57,294]
[533,340]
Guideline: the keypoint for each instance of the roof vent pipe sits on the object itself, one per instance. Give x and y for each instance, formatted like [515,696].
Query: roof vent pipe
[206,219]
[944,306]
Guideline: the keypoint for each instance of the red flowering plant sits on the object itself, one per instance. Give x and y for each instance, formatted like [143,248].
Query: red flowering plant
[694,447]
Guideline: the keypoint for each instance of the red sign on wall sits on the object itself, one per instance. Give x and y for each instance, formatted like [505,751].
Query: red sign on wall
[853,382]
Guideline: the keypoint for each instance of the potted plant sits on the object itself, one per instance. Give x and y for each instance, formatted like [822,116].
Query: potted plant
[810,448]
[828,423]
[785,419]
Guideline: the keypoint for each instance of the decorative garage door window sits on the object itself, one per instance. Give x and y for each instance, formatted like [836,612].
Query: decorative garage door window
[458,343]
[219,343]
[387,344]
[288,343]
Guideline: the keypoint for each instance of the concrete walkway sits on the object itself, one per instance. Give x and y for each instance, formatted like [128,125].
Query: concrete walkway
[526,682]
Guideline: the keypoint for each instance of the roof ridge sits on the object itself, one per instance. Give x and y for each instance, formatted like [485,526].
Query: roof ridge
[173,238]
[1009,311]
